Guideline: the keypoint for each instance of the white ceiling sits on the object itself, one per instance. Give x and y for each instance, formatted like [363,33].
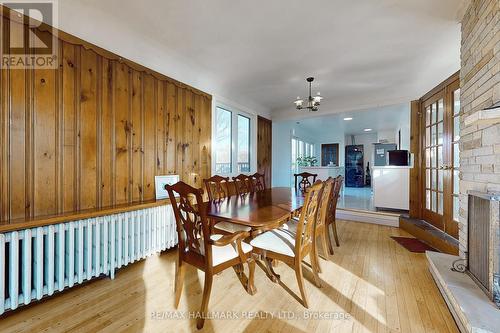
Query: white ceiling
[377,119]
[257,53]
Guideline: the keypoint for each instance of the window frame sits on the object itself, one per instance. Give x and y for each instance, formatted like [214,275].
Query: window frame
[235,112]
[303,148]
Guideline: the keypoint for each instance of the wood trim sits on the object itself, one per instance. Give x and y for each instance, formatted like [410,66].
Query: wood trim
[415,149]
[71,39]
[454,77]
[264,148]
[41,221]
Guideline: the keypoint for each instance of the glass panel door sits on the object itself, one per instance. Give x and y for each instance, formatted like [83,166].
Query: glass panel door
[434,158]
[441,160]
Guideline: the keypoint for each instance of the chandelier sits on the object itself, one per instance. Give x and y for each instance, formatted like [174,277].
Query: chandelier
[312,102]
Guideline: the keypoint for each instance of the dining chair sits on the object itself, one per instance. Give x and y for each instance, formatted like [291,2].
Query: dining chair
[331,221]
[197,246]
[292,247]
[258,182]
[218,189]
[320,230]
[304,181]
[242,184]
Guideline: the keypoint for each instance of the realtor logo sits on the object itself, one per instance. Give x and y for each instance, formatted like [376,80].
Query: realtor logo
[28,37]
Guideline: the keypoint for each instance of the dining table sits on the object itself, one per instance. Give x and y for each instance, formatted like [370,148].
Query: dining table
[261,210]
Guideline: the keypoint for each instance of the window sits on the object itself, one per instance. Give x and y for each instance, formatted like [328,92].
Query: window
[300,148]
[232,142]
[223,140]
[243,144]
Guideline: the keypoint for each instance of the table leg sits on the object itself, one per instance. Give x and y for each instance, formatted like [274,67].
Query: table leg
[250,283]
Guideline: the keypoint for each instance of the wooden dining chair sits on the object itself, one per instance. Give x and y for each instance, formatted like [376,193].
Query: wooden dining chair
[258,182]
[331,222]
[211,253]
[320,231]
[242,184]
[304,180]
[218,189]
[292,247]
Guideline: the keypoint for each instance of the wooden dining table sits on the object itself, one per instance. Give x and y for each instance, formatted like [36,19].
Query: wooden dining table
[261,210]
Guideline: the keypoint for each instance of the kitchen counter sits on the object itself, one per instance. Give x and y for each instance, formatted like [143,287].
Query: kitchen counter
[391,187]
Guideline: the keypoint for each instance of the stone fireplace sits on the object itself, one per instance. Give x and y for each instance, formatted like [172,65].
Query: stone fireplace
[479,122]
[469,296]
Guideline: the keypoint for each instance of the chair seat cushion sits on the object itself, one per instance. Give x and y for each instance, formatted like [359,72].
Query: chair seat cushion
[230,227]
[278,240]
[291,225]
[221,254]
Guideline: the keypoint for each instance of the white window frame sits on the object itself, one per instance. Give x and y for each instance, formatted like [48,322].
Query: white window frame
[235,112]
[308,150]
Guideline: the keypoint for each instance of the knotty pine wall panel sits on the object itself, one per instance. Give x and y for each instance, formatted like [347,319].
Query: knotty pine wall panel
[94,133]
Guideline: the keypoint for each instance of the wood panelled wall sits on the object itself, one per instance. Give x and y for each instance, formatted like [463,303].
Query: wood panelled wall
[264,148]
[94,133]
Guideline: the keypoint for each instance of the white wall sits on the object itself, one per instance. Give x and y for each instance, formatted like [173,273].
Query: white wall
[404,127]
[283,131]
[367,140]
[387,136]
[330,137]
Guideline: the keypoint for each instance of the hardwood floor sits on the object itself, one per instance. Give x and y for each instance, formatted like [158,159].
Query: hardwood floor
[375,283]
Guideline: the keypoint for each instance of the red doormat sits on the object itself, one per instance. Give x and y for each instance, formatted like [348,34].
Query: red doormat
[413,244]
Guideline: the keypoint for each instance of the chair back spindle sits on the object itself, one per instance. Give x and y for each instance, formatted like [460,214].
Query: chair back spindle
[308,216]
[192,225]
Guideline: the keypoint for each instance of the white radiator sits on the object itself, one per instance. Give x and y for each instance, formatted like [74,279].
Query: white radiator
[38,262]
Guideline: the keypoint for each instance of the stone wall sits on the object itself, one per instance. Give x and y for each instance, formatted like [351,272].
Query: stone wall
[480,88]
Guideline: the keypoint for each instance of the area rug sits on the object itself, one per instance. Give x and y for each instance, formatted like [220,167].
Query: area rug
[413,244]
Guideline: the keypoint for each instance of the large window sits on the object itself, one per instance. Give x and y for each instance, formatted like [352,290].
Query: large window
[243,144]
[232,148]
[300,148]
[223,138]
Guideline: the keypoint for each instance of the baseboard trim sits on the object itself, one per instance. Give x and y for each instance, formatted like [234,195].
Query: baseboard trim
[391,220]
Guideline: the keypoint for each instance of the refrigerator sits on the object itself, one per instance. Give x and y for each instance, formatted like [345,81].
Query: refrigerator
[354,166]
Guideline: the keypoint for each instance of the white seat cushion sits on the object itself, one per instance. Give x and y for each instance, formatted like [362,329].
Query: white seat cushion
[278,240]
[221,254]
[291,225]
[231,227]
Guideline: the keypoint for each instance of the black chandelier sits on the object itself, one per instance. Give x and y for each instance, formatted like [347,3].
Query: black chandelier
[312,102]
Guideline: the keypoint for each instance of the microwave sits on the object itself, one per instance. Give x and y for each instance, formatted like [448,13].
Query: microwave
[398,157]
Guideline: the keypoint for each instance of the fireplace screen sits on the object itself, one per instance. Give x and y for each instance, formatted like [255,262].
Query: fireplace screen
[483,255]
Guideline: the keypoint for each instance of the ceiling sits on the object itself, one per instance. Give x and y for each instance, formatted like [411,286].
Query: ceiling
[377,119]
[363,53]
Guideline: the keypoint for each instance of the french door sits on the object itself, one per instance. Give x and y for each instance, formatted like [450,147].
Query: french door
[440,151]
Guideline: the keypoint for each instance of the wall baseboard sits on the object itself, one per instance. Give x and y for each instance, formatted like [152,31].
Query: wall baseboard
[391,220]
